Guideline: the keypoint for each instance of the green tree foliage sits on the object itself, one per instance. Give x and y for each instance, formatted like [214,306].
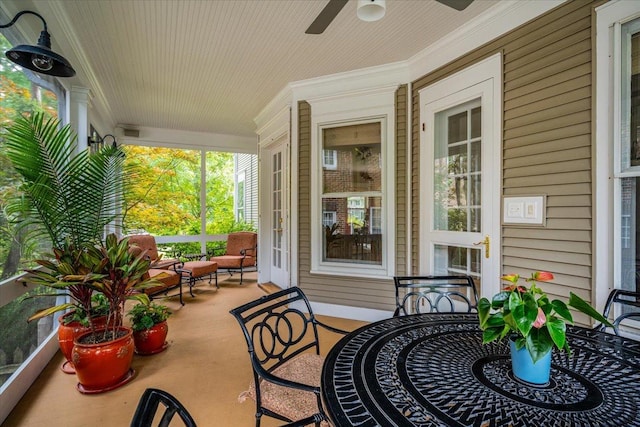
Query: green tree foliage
[165,198]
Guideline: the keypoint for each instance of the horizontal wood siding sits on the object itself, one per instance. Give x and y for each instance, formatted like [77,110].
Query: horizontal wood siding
[249,164]
[547,142]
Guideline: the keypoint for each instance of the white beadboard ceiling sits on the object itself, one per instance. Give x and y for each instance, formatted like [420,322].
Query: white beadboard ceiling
[213,65]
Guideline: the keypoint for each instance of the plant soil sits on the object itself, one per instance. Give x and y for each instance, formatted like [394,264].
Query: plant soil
[100,337]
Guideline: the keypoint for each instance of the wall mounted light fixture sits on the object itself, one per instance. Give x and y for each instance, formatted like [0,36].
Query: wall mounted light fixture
[39,58]
[96,139]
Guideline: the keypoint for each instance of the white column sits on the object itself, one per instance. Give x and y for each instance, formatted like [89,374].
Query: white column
[79,98]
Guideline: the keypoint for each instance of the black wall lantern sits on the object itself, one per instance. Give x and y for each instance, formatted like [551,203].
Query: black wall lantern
[39,58]
[96,139]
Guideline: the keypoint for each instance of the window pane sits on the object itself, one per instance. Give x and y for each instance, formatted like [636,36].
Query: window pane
[458,260]
[457,170]
[630,156]
[634,130]
[352,238]
[358,158]
[18,95]
[18,341]
[630,244]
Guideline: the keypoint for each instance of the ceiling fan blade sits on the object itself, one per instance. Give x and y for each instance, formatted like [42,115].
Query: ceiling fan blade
[325,17]
[456,4]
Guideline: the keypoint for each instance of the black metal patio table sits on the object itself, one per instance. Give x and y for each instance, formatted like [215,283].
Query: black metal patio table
[433,370]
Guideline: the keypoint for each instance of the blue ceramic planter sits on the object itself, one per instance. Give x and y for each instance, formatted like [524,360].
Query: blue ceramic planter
[524,368]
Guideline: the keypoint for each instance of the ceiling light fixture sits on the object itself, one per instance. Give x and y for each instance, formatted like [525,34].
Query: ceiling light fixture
[39,58]
[96,139]
[371,10]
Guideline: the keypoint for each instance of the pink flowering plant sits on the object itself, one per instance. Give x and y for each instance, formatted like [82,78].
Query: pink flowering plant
[529,317]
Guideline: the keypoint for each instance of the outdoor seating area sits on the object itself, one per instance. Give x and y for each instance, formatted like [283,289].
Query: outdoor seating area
[386,213]
[205,366]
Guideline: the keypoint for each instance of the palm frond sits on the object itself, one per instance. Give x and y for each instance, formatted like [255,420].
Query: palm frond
[70,195]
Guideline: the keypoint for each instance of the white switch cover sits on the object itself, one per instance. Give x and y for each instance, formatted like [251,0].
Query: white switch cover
[528,210]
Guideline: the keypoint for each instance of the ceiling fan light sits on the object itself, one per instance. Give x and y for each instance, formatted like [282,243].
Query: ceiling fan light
[371,10]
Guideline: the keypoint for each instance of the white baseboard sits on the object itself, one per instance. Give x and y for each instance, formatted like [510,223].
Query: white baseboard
[347,312]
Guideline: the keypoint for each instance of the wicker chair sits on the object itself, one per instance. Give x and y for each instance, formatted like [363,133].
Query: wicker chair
[282,336]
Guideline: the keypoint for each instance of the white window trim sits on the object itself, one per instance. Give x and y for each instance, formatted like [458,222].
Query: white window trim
[346,109]
[334,160]
[609,19]
[240,177]
[333,214]
[371,210]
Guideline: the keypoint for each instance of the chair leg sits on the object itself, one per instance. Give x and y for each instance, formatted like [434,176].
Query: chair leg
[192,283]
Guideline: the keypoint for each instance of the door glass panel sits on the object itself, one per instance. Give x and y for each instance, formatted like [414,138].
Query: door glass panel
[450,260]
[629,262]
[276,214]
[457,169]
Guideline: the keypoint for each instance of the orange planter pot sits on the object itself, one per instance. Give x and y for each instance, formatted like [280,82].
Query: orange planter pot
[68,333]
[104,366]
[152,340]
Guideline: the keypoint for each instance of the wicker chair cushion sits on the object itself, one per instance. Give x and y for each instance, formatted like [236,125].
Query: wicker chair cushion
[168,278]
[233,261]
[147,243]
[240,240]
[293,404]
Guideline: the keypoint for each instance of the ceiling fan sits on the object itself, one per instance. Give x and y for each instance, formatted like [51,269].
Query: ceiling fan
[334,7]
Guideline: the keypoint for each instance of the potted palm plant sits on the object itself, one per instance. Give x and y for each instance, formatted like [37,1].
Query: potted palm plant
[66,198]
[149,324]
[532,322]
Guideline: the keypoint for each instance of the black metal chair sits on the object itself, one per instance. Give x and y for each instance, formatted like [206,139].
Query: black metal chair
[148,408]
[434,294]
[627,300]
[282,338]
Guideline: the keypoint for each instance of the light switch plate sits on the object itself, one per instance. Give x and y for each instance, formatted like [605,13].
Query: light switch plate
[524,210]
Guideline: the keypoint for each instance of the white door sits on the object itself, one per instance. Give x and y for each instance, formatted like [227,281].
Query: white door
[460,176]
[278,218]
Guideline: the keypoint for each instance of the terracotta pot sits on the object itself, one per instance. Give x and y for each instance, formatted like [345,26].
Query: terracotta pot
[152,340]
[68,333]
[103,366]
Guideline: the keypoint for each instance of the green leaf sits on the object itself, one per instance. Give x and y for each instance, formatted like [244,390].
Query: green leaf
[562,310]
[499,299]
[484,306]
[557,330]
[581,305]
[538,343]
[491,334]
[523,319]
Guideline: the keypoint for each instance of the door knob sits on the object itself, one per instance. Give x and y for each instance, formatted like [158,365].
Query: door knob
[486,243]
